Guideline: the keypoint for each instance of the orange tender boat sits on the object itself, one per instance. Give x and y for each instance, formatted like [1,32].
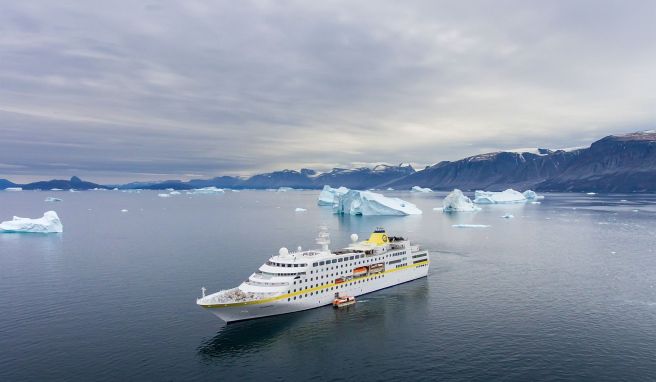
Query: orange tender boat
[341,302]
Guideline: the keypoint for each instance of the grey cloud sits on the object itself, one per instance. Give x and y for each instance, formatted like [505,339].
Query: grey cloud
[212,87]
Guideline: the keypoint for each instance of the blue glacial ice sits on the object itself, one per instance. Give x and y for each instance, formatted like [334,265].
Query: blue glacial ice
[371,203]
[49,223]
[328,195]
[456,201]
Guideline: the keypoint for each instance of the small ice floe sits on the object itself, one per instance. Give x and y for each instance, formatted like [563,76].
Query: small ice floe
[56,189]
[235,190]
[14,189]
[390,189]
[470,226]
[49,223]
[299,209]
[438,208]
[636,210]
[170,189]
[420,189]
[536,202]
[174,193]
[284,189]
[124,210]
[613,252]
[591,193]
[50,199]
[532,195]
[73,190]
[164,195]
[508,216]
[623,200]
[328,195]
[371,203]
[208,190]
[456,201]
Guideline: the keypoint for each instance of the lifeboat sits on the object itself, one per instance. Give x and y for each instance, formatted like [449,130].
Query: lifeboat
[361,271]
[343,301]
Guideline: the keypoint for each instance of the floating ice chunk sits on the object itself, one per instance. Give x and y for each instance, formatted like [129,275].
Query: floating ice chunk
[124,210]
[623,200]
[284,189]
[635,210]
[591,193]
[164,195]
[456,201]
[73,190]
[438,208]
[536,202]
[390,189]
[299,209]
[328,195]
[50,199]
[508,216]
[470,226]
[507,196]
[420,189]
[235,190]
[208,190]
[370,203]
[174,193]
[49,223]
[532,195]
[56,189]
[14,189]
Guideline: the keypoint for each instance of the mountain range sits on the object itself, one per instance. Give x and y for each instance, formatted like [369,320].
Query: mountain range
[616,163]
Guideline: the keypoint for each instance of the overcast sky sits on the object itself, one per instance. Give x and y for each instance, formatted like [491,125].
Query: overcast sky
[128,90]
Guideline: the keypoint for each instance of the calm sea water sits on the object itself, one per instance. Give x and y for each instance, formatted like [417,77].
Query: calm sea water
[563,291]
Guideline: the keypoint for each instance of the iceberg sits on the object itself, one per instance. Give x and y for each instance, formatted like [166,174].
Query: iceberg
[420,189]
[49,223]
[124,210]
[51,199]
[507,196]
[470,226]
[328,196]
[532,195]
[284,189]
[456,201]
[14,189]
[370,203]
[299,209]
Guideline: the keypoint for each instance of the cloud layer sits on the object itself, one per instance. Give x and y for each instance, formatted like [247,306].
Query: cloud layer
[159,89]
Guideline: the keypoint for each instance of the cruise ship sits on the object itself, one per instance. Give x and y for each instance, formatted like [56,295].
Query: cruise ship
[301,280]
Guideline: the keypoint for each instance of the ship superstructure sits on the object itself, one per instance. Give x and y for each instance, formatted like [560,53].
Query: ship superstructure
[300,280]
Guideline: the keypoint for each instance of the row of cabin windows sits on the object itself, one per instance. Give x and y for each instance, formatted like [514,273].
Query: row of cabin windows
[271,263]
[278,274]
[320,263]
[419,255]
[402,265]
[396,261]
[420,261]
[332,288]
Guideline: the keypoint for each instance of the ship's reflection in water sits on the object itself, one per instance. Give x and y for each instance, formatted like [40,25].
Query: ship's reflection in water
[370,314]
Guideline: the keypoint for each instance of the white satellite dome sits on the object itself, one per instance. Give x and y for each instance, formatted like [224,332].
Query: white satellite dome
[354,237]
[283,251]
